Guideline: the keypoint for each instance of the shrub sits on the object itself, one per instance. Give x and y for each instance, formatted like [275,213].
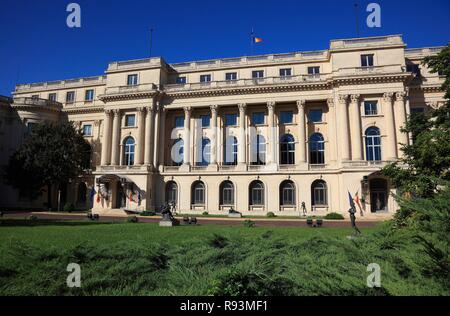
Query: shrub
[248,223]
[205,213]
[68,207]
[148,213]
[271,214]
[132,219]
[334,215]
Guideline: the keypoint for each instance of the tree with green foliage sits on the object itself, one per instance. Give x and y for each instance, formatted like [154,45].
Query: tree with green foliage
[425,165]
[51,155]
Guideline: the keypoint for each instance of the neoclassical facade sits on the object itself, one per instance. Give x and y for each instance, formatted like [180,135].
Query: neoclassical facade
[257,133]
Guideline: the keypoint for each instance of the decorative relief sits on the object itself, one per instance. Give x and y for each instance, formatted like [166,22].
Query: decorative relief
[400,96]
[355,98]
[242,107]
[271,105]
[388,96]
[301,104]
[330,102]
[343,98]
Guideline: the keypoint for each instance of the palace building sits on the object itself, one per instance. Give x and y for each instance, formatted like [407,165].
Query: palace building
[256,133]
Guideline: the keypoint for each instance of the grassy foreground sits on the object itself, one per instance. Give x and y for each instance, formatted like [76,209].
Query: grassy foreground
[144,259]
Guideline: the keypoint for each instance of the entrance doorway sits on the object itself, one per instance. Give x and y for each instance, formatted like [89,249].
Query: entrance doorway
[378,195]
[120,195]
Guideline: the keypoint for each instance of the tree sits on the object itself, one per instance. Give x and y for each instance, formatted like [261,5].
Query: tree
[53,154]
[425,164]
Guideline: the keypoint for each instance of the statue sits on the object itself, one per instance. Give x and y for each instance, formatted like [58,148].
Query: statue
[304,208]
[167,213]
[352,212]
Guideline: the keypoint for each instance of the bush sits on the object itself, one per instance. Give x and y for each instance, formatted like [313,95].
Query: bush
[271,214]
[205,213]
[68,207]
[148,213]
[248,223]
[132,219]
[334,215]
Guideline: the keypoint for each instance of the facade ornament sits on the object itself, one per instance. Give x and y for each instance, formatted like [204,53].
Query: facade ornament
[96,122]
[301,104]
[343,98]
[388,96]
[434,105]
[355,98]
[108,112]
[187,110]
[400,96]
[140,109]
[214,109]
[271,105]
[116,112]
[330,102]
[242,107]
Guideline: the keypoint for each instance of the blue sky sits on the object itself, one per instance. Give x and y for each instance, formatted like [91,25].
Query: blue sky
[36,44]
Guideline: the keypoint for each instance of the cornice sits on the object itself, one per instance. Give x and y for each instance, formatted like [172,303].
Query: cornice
[35,108]
[83,110]
[128,96]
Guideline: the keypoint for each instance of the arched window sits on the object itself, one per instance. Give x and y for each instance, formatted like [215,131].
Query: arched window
[227,193]
[129,147]
[256,193]
[205,154]
[287,193]
[171,192]
[177,152]
[198,193]
[230,152]
[316,149]
[82,191]
[287,150]
[319,193]
[259,150]
[373,144]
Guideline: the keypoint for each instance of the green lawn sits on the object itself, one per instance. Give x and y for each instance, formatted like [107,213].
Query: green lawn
[144,259]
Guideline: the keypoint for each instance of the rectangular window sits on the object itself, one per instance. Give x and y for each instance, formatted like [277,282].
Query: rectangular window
[415,69]
[286,117]
[89,95]
[52,97]
[130,120]
[258,118]
[35,96]
[370,108]
[285,72]
[257,74]
[315,116]
[205,78]
[314,70]
[418,110]
[205,120]
[229,76]
[70,96]
[230,119]
[87,130]
[132,80]
[367,60]
[179,121]
[181,80]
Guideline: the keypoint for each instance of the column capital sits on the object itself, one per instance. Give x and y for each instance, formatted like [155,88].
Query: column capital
[116,112]
[400,96]
[214,108]
[388,96]
[108,112]
[330,102]
[355,98]
[149,108]
[242,107]
[271,105]
[96,122]
[343,98]
[187,110]
[140,109]
[301,103]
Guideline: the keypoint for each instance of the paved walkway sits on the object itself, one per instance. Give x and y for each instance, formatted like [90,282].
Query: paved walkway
[276,222]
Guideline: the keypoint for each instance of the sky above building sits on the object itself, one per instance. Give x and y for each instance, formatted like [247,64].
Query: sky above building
[37,45]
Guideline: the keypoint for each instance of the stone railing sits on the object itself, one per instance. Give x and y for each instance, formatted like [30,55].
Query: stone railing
[61,84]
[392,40]
[386,69]
[137,63]
[363,164]
[146,87]
[36,102]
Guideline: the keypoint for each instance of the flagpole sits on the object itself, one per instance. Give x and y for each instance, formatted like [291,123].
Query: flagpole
[151,41]
[252,40]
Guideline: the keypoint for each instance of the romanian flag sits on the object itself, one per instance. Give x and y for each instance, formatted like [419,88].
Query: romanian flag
[257,39]
[358,203]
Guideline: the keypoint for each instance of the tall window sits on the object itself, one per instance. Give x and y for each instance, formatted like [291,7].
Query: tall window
[256,193]
[205,78]
[373,144]
[315,70]
[257,118]
[89,95]
[205,153]
[286,117]
[319,193]
[70,96]
[316,149]
[177,152]
[230,119]
[287,193]
[230,152]
[181,80]
[52,96]
[315,116]
[415,69]
[285,72]
[367,60]
[130,120]
[198,193]
[257,74]
[370,108]
[129,147]
[132,80]
[229,76]
[87,130]
[179,121]
[171,192]
[259,150]
[287,150]
[205,119]
[227,193]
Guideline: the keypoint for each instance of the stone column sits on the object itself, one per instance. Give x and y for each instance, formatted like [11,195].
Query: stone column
[242,137]
[156,146]
[148,155]
[106,143]
[343,119]
[214,134]
[140,136]
[187,136]
[115,138]
[272,133]
[331,120]
[391,139]
[162,136]
[356,134]
[301,132]
[400,120]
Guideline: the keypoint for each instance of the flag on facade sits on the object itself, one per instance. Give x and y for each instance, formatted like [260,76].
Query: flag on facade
[98,197]
[131,196]
[257,39]
[358,203]
[92,194]
[350,199]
